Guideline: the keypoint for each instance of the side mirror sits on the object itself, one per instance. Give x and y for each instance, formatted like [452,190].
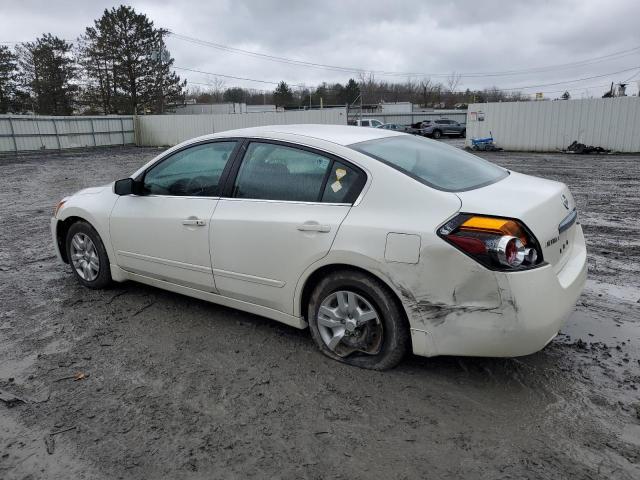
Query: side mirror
[127,186]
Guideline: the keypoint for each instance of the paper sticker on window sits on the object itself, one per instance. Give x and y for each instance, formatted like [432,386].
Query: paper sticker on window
[340,172]
[336,186]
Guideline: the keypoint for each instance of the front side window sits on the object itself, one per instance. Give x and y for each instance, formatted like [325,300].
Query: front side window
[433,163]
[278,172]
[194,171]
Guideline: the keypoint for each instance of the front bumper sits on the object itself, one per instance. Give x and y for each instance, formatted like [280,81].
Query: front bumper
[54,235]
[534,306]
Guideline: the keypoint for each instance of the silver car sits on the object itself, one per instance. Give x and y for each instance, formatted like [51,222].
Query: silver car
[438,128]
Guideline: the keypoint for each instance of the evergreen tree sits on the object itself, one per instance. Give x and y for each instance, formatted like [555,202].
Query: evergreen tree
[48,72]
[351,91]
[168,89]
[126,64]
[8,80]
[283,95]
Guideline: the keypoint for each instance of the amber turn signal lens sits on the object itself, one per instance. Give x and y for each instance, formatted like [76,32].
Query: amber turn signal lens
[58,207]
[503,244]
[500,226]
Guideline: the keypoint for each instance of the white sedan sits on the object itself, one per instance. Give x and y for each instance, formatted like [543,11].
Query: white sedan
[380,242]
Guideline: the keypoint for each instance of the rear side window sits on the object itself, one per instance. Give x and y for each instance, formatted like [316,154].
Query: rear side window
[433,163]
[194,171]
[278,172]
[343,185]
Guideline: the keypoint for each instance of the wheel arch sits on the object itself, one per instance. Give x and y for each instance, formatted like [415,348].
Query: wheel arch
[62,227]
[314,276]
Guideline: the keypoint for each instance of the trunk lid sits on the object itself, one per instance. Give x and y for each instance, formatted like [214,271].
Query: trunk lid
[542,205]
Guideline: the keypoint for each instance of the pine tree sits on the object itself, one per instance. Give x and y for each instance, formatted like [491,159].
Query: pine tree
[8,80]
[49,72]
[126,64]
[351,91]
[168,89]
[283,95]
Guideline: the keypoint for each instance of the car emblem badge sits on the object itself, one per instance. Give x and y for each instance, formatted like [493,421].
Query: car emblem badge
[565,201]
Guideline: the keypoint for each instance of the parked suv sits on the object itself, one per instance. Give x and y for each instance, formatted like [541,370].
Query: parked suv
[438,128]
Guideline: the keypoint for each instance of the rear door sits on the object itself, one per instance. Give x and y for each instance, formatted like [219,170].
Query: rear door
[284,207]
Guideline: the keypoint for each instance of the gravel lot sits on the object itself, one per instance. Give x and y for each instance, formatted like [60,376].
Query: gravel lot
[179,388]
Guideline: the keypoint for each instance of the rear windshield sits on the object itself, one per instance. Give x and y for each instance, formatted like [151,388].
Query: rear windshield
[433,163]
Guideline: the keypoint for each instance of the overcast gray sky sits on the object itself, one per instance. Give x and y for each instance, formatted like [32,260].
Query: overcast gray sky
[436,37]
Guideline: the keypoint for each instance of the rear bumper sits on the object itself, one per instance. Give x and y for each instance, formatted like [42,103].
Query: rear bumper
[534,306]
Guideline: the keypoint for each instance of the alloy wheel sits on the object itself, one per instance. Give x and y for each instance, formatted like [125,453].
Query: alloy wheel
[84,257]
[348,323]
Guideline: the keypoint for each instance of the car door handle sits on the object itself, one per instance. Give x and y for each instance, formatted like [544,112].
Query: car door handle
[314,227]
[194,222]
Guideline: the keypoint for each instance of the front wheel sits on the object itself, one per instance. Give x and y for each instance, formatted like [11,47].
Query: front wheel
[355,319]
[436,134]
[463,134]
[87,256]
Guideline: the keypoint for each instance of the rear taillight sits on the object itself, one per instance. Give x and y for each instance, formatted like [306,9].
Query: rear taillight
[497,243]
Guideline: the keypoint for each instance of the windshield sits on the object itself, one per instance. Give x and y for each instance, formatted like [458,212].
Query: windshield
[433,163]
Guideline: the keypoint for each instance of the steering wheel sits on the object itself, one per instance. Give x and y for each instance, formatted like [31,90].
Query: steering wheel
[196,186]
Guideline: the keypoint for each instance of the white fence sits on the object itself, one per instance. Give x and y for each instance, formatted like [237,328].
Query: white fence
[165,130]
[19,133]
[611,123]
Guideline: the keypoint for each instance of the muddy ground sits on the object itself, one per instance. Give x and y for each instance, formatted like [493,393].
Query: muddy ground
[178,388]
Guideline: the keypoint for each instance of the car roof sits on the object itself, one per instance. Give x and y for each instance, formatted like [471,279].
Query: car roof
[340,134]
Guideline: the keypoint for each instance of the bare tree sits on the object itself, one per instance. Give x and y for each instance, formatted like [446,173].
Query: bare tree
[426,90]
[368,87]
[216,89]
[453,81]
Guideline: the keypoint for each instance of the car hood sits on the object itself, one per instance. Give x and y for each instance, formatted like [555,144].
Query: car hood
[93,190]
[539,203]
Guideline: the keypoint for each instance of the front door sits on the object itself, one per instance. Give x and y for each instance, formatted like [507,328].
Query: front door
[164,232]
[285,209]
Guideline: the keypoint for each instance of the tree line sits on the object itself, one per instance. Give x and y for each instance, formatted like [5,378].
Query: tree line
[119,65]
[367,88]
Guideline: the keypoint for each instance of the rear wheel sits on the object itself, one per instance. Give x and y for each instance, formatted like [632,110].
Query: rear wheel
[436,134]
[87,256]
[355,319]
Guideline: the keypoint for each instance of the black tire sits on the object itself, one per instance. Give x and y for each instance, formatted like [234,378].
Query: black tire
[436,134]
[396,337]
[463,134]
[103,278]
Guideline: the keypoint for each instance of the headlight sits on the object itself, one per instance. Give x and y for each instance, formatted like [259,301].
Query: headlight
[497,243]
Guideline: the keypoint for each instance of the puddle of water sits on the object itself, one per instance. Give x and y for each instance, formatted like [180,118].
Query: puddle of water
[625,293]
[594,328]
